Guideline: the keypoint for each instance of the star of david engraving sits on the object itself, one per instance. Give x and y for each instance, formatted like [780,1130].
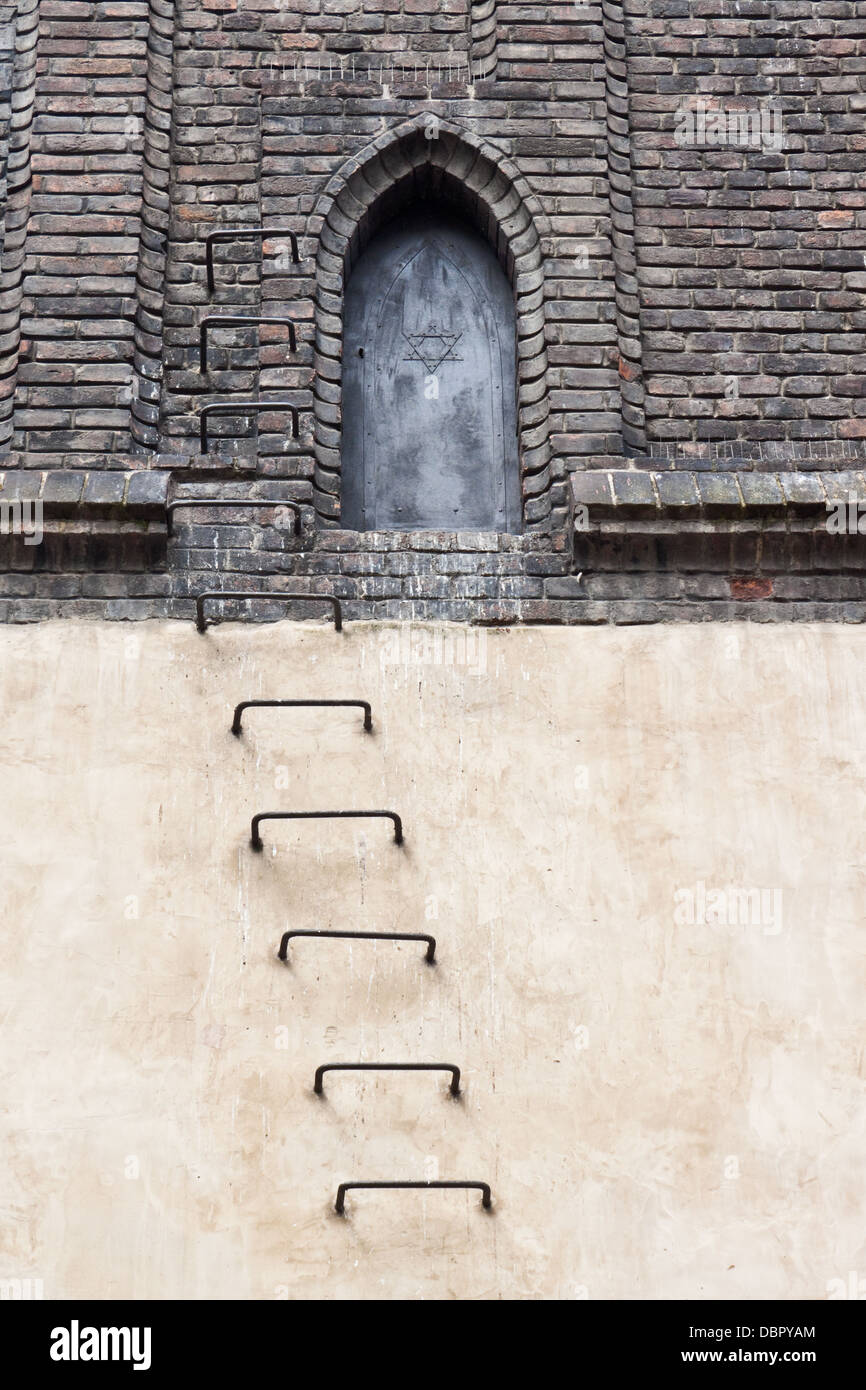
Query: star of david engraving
[433,347]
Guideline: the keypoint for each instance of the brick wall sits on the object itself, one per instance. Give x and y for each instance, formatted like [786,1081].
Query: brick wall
[683,307]
[261,139]
[76,378]
[380,29]
[752,266]
[750,260]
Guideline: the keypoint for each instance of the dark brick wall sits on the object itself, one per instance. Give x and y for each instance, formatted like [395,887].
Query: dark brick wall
[685,311]
[266,141]
[75,374]
[752,261]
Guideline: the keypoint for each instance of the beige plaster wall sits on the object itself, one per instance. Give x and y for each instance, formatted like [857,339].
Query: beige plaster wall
[663,1109]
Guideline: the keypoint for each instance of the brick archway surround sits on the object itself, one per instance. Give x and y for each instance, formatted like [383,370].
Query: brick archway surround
[452,166]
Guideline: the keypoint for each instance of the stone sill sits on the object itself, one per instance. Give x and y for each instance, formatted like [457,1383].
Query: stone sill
[677,494]
[141,495]
[81,493]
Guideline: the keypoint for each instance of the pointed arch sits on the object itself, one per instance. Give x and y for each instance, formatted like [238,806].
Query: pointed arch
[429,158]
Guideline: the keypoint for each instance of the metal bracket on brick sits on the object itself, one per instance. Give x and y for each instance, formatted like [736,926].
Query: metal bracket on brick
[388,1066]
[258,845]
[245,408]
[184,502]
[244,234]
[301,704]
[340,1204]
[429,957]
[248,595]
[240,321]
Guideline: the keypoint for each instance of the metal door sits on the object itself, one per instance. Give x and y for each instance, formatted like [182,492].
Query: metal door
[429,383]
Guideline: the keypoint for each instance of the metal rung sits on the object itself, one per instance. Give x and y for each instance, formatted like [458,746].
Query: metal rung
[301,704]
[246,408]
[244,234]
[430,956]
[239,321]
[256,839]
[388,1066]
[340,1204]
[201,600]
[232,502]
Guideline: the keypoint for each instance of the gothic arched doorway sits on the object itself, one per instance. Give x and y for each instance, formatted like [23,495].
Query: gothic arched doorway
[429,383]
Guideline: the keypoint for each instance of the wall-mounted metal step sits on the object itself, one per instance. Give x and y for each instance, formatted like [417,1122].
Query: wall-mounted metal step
[258,844]
[244,234]
[244,408]
[454,1087]
[340,1204]
[301,704]
[430,941]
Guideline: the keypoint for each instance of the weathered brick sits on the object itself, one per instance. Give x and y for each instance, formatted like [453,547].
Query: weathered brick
[699,336]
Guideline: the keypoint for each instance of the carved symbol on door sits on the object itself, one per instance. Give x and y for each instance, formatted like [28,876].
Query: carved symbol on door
[433,347]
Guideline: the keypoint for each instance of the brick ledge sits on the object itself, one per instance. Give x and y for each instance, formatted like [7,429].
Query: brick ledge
[678,494]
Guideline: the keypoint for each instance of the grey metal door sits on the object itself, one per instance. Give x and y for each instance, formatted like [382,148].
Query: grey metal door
[429,383]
